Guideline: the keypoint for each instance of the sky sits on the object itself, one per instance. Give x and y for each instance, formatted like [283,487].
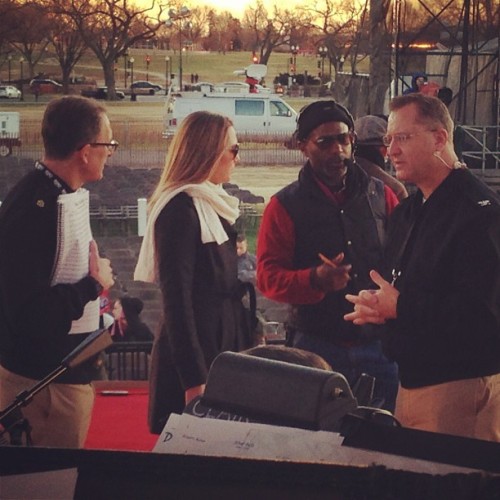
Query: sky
[236,7]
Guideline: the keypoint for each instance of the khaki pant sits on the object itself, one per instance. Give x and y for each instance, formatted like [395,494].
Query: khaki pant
[59,415]
[469,408]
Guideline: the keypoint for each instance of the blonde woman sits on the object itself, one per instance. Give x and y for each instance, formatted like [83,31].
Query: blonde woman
[190,249]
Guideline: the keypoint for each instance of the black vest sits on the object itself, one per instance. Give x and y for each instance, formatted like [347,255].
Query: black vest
[355,228]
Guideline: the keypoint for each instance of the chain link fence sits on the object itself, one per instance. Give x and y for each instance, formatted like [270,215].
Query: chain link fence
[142,146]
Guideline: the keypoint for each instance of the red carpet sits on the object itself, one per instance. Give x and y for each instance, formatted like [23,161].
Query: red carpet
[119,422]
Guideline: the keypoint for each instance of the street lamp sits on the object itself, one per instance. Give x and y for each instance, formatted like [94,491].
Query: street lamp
[341,63]
[167,73]
[21,61]
[173,18]
[133,97]
[322,52]
[148,61]
[295,50]
[9,60]
[125,67]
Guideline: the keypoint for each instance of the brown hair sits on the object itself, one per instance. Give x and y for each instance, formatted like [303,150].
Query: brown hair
[289,355]
[430,110]
[194,151]
[69,123]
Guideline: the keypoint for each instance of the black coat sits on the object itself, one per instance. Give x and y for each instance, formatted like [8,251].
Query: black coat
[447,255]
[35,317]
[202,312]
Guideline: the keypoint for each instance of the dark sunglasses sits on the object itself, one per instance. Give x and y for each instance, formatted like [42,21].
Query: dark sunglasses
[235,150]
[326,141]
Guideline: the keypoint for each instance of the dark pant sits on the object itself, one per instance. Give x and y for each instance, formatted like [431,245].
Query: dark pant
[353,361]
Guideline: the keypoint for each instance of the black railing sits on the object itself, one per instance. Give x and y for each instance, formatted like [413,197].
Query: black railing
[128,360]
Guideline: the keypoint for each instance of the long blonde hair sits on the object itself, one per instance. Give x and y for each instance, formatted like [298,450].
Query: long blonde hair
[194,151]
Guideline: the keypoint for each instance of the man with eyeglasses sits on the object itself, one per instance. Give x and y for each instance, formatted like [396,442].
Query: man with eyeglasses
[43,317]
[439,292]
[318,239]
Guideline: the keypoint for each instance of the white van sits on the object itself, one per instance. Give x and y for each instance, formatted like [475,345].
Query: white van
[259,114]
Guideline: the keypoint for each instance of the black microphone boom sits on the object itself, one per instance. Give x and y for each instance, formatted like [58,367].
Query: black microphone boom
[94,343]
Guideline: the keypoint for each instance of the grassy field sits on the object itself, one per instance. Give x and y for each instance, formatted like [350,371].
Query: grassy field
[142,110]
[209,66]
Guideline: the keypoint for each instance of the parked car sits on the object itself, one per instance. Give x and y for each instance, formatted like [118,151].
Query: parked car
[101,93]
[202,86]
[9,92]
[143,87]
[45,86]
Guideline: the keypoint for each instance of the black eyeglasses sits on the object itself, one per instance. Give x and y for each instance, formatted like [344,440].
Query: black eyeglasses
[324,142]
[112,146]
[235,150]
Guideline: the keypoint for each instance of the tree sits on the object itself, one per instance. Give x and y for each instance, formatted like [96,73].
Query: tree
[380,55]
[336,25]
[28,34]
[223,32]
[265,34]
[69,46]
[110,27]
[7,7]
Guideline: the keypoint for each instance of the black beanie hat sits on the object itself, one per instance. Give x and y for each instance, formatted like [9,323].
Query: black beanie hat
[132,306]
[315,114]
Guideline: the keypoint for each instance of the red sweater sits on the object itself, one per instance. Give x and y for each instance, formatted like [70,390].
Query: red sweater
[276,277]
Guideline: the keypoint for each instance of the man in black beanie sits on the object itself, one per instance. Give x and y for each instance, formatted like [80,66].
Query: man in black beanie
[318,239]
[128,326]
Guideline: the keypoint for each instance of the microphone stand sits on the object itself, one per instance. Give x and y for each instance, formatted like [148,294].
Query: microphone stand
[12,418]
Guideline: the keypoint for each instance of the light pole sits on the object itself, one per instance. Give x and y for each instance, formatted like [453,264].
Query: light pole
[148,61]
[295,50]
[9,60]
[173,18]
[167,73]
[125,67]
[133,97]
[322,52]
[341,63]
[21,61]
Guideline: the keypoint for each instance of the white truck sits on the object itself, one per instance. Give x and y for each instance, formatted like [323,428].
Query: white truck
[9,132]
[266,116]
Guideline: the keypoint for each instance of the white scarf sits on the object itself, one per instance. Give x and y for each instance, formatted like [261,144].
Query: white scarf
[210,201]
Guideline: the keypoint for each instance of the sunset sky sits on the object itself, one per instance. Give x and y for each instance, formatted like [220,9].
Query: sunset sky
[236,7]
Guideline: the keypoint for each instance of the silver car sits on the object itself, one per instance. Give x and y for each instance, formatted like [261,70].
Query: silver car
[9,92]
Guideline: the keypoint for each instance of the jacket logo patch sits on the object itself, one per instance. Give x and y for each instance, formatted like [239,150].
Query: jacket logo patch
[484,203]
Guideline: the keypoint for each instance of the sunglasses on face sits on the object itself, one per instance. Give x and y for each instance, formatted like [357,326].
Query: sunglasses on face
[235,150]
[326,141]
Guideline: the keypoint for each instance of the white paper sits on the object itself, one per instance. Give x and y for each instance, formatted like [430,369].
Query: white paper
[72,259]
[189,435]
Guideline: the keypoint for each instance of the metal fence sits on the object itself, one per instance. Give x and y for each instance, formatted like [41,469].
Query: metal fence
[128,360]
[481,146]
[143,146]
